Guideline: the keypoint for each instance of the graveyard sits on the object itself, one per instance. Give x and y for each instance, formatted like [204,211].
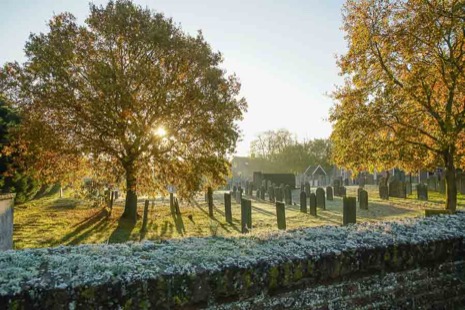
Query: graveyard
[51,221]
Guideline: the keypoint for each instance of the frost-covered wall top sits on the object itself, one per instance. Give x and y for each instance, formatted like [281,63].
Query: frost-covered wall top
[68,267]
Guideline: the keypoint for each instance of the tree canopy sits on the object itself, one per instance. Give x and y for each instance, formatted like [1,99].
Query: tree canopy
[130,91]
[402,103]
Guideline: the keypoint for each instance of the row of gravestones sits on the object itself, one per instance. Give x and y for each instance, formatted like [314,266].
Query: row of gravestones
[349,209]
[401,189]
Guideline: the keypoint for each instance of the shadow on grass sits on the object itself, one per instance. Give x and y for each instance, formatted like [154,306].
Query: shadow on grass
[223,226]
[86,228]
[122,232]
[63,204]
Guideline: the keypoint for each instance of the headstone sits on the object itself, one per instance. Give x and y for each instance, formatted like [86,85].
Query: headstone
[342,191]
[358,193]
[303,202]
[176,206]
[227,207]
[288,195]
[210,201]
[281,215]
[320,198]
[271,193]
[246,188]
[307,189]
[234,190]
[238,197]
[145,216]
[422,192]
[312,204]
[262,193]
[250,189]
[246,215]
[329,193]
[383,191]
[397,189]
[363,199]
[257,194]
[349,210]
[346,182]
[370,179]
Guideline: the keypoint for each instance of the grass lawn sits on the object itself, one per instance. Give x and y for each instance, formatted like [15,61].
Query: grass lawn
[52,221]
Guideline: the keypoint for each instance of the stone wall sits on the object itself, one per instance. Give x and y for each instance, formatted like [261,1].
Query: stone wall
[6,221]
[410,264]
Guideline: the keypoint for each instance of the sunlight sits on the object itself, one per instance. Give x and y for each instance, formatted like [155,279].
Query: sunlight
[160,131]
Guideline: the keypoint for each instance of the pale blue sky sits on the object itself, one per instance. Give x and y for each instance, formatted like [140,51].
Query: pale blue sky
[282,51]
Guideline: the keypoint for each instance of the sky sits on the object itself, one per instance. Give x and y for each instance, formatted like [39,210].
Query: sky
[284,52]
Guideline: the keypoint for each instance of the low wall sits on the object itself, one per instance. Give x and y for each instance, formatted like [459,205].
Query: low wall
[410,264]
[6,221]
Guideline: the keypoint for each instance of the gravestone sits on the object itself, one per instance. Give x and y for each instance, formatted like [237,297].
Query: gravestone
[370,179]
[383,191]
[358,193]
[346,182]
[307,189]
[227,207]
[303,202]
[288,195]
[246,215]
[246,188]
[145,216]
[176,206]
[349,210]
[320,198]
[271,193]
[397,189]
[460,178]
[281,215]
[257,194]
[262,192]
[210,201]
[238,197]
[342,191]
[312,204]
[422,192]
[234,190]
[363,199]
[302,187]
[6,221]
[329,193]
[250,189]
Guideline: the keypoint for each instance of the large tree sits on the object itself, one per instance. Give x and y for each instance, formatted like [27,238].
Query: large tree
[129,89]
[402,103]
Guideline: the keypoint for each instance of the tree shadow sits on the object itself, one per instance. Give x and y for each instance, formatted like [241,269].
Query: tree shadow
[122,232]
[179,223]
[98,219]
[63,204]
[223,226]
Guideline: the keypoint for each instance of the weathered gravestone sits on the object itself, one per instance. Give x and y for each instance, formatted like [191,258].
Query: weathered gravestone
[257,194]
[210,201]
[358,192]
[262,192]
[6,221]
[246,189]
[288,195]
[227,207]
[234,191]
[281,215]
[303,202]
[320,198]
[346,182]
[246,215]
[312,204]
[238,197]
[329,193]
[397,189]
[271,193]
[422,192]
[383,191]
[349,210]
[363,199]
[250,189]
[307,189]
[145,216]
[342,191]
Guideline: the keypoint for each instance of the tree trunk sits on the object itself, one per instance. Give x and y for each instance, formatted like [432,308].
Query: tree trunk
[130,207]
[451,185]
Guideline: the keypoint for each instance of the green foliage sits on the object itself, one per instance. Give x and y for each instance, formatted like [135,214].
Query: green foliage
[12,180]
